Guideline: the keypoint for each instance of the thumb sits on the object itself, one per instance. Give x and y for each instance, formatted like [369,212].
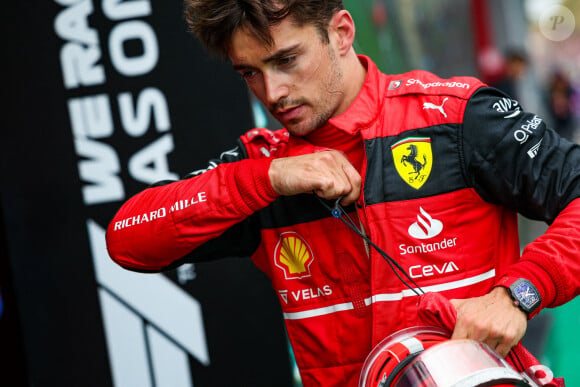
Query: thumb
[460,330]
[456,303]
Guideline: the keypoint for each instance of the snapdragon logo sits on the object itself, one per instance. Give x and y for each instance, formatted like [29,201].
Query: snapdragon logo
[425,227]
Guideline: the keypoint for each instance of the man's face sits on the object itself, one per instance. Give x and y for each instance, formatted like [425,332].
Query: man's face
[298,78]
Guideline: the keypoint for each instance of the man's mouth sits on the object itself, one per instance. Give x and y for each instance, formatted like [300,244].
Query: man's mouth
[288,114]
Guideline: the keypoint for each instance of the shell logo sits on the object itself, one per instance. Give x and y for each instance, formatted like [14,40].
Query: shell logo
[293,255]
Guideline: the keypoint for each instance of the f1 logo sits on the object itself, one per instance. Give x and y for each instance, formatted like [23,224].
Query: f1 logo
[148,338]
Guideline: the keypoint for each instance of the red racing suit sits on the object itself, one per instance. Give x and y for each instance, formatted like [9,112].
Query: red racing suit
[446,165]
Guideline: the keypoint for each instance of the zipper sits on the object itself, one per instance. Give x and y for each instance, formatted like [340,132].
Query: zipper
[363,230]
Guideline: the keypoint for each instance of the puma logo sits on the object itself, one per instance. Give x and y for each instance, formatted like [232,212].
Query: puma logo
[429,105]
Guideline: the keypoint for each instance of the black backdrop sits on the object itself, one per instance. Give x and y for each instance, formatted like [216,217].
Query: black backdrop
[101,98]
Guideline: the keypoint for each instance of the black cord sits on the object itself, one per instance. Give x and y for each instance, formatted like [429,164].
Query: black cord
[339,213]
[515,357]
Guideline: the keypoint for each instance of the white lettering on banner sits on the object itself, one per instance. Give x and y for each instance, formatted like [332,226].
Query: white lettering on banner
[79,56]
[130,301]
[138,65]
[91,119]
[150,101]
[186,273]
[121,9]
[91,115]
[148,338]
[100,169]
[150,163]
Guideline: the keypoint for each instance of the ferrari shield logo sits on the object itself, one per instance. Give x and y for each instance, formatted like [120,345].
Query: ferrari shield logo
[413,160]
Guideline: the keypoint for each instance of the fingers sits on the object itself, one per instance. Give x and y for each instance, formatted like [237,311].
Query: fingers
[337,177]
[491,319]
[355,184]
[502,348]
[500,340]
[329,174]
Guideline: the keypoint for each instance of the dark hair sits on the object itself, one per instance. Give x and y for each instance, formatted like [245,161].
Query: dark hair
[215,21]
[516,54]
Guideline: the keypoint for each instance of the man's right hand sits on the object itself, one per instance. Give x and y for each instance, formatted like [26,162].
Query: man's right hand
[329,174]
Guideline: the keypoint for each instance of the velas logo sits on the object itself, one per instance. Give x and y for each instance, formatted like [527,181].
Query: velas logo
[425,227]
[293,255]
[413,159]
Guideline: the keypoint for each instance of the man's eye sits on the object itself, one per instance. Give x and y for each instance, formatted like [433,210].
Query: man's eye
[248,74]
[287,60]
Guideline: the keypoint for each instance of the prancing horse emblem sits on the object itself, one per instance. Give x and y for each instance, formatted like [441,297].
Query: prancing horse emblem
[413,160]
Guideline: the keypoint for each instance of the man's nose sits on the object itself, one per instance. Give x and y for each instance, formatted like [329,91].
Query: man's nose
[276,88]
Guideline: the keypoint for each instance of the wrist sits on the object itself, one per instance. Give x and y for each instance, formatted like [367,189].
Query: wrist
[253,187]
[274,175]
[523,293]
[504,293]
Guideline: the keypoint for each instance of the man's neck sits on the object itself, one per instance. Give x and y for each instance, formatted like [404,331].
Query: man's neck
[354,74]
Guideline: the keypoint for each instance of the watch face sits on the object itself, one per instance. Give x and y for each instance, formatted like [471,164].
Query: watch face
[526,294]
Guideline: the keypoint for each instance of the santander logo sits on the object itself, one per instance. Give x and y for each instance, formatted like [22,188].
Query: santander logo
[425,227]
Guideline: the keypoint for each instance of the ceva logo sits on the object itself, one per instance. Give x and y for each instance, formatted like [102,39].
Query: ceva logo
[425,227]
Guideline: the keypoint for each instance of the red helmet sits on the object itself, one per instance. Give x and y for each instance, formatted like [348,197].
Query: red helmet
[425,357]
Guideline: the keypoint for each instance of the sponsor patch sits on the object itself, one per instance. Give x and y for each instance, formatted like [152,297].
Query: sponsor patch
[533,152]
[527,129]
[293,255]
[395,85]
[413,159]
[450,84]
[425,227]
[304,294]
[439,108]
[508,106]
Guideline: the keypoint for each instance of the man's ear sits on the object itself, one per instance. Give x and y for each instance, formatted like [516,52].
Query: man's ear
[342,30]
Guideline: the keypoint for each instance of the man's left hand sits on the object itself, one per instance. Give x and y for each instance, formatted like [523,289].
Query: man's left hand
[492,319]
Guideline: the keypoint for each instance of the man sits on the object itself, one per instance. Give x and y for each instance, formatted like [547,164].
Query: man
[431,171]
[515,69]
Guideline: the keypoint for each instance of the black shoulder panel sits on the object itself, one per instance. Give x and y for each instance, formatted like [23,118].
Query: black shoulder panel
[513,159]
